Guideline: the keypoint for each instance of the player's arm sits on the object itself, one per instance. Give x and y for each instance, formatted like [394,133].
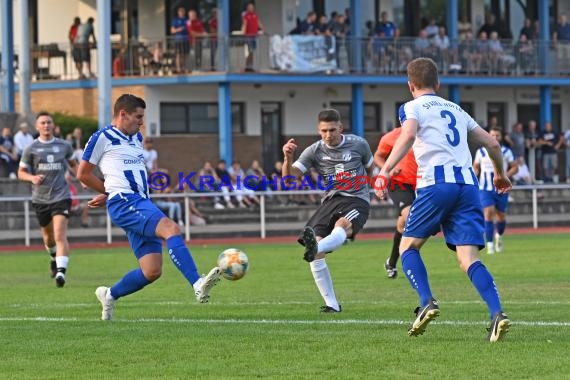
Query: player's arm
[288,169]
[480,137]
[512,169]
[23,172]
[477,163]
[86,176]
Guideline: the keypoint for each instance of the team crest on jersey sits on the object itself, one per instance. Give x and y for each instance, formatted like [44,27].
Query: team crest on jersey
[56,149]
[346,156]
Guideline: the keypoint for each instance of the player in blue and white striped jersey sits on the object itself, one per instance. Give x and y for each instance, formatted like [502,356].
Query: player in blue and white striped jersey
[494,204]
[447,192]
[118,152]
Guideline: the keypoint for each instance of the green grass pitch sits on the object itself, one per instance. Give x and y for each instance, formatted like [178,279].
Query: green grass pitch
[267,325]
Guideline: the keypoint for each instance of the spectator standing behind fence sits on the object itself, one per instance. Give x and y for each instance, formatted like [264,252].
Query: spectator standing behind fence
[516,140]
[250,28]
[8,152]
[550,142]
[196,33]
[181,44]
[150,156]
[22,139]
[527,30]
[567,144]
[85,39]
[533,155]
[561,39]
[75,48]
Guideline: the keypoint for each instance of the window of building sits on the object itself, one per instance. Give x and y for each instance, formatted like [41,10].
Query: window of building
[372,116]
[182,118]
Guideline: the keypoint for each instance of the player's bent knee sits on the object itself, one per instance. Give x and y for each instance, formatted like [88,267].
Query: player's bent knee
[152,274]
[167,228]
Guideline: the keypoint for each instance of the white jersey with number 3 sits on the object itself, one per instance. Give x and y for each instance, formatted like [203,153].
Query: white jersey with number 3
[441,148]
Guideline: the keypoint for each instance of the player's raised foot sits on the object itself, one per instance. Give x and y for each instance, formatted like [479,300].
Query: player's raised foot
[391,271]
[424,315]
[498,243]
[52,268]
[490,248]
[328,309]
[204,285]
[59,279]
[499,327]
[310,241]
[107,302]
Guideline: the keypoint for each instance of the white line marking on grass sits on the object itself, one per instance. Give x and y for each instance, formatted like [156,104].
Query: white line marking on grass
[269,303]
[282,321]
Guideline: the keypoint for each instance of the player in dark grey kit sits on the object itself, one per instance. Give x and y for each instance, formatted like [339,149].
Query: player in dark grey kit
[345,164]
[44,164]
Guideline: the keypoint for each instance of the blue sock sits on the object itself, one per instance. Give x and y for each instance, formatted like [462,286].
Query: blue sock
[182,258]
[501,227]
[489,231]
[483,282]
[414,268]
[130,283]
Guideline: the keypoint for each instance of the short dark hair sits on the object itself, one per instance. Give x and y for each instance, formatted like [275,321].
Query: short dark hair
[129,103]
[497,129]
[43,113]
[329,115]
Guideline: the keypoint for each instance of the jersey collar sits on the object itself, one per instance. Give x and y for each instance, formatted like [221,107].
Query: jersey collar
[336,146]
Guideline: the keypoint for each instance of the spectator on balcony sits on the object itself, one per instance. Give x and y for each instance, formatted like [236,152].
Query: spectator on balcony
[423,46]
[339,29]
[500,61]
[22,139]
[156,59]
[527,30]
[399,52]
[516,140]
[469,55]
[489,26]
[482,50]
[526,55]
[308,25]
[384,27]
[550,142]
[567,144]
[442,44]
[322,25]
[196,33]
[464,27]
[250,28]
[119,64]
[8,152]
[432,29]
[213,29]
[561,39]
[85,39]
[75,48]
[181,44]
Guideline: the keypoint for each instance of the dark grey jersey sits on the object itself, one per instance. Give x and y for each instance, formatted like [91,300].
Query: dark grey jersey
[342,168]
[50,160]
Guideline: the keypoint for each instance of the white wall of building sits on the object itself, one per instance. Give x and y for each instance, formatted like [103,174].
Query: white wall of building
[151,20]
[301,103]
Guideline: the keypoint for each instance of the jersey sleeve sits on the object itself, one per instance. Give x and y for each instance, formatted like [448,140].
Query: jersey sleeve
[469,122]
[306,159]
[509,157]
[408,111]
[478,157]
[367,157]
[94,148]
[26,161]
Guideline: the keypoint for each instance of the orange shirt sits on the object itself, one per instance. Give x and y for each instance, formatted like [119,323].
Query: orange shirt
[408,165]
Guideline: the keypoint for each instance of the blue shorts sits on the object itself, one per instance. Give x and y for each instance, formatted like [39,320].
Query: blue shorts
[139,217]
[453,207]
[492,198]
[251,42]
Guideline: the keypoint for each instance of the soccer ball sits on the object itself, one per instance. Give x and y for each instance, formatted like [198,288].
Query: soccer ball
[233,264]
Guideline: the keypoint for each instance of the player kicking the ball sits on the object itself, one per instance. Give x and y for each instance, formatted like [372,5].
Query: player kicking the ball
[118,152]
[447,192]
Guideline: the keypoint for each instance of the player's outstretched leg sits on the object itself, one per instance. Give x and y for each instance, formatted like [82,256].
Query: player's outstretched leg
[323,280]
[424,315]
[310,242]
[390,264]
[103,294]
[183,260]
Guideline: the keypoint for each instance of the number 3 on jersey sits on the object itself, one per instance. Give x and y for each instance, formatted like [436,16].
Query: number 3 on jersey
[453,141]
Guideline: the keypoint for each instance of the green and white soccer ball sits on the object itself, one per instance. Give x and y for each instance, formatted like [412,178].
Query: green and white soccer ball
[233,264]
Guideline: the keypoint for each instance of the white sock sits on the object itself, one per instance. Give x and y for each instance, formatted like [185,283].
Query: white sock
[333,241]
[61,261]
[108,295]
[324,283]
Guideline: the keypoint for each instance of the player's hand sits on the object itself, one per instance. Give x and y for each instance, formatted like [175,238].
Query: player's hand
[289,149]
[395,172]
[37,179]
[502,184]
[380,185]
[98,200]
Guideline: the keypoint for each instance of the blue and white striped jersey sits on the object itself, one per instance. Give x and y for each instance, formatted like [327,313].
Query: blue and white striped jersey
[120,159]
[441,148]
[487,173]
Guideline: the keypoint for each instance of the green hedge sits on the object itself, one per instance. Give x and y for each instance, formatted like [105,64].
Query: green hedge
[68,123]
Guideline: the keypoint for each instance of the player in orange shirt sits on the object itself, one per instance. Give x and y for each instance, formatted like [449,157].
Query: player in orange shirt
[402,191]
